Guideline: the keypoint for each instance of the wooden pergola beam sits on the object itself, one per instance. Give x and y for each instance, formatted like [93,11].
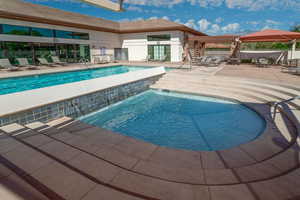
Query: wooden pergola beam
[214,39]
[108,4]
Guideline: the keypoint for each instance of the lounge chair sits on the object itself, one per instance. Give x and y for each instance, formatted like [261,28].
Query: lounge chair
[43,61]
[214,62]
[164,58]
[5,63]
[291,69]
[56,60]
[23,62]
[262,62]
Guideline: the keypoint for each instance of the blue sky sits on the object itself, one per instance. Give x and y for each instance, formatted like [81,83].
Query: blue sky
[214,17]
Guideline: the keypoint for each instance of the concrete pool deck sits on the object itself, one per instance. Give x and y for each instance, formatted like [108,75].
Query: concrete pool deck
[68,159]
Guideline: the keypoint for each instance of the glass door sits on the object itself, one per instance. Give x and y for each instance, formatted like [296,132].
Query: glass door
[159,52]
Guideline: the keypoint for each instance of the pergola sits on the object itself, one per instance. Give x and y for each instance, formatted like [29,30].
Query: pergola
[273,36]
[195,45]
[108,4]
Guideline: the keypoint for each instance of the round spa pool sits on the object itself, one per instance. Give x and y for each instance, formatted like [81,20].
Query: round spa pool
[181,121]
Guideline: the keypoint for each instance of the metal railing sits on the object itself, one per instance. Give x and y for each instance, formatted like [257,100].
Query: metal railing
[282,102]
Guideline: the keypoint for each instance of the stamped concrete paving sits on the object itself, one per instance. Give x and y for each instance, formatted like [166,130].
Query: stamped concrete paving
[79,161]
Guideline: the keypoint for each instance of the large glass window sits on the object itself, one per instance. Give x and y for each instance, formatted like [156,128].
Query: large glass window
[15,30]
[166,37]
[41,32]
[63,34]
[71,35]
[81,36]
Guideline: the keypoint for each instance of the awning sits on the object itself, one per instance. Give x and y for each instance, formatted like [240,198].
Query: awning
[108,4]
[271,36]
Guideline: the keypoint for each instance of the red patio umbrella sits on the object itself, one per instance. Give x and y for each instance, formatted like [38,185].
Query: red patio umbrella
[270,35]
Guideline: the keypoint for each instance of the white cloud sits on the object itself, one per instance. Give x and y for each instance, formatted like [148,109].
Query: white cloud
[203,24]
[219,20]
[231,28]
[191,23]
[252,5]
[134,8]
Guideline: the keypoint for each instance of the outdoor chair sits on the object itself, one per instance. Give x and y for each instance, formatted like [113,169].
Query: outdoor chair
[56,60]
[262,62]
[214,62]
[5,63]
[163,59]
[23,62]
[43,61]
[234,61]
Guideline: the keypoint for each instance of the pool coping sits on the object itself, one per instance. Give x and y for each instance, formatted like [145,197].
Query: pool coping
[27,100]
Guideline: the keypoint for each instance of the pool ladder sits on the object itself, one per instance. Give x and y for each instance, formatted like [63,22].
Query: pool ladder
[282,102]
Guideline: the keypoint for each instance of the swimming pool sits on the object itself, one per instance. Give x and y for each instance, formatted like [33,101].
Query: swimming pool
[18,84]
[181,121]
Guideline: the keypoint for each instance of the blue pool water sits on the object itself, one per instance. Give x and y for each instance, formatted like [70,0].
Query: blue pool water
[18,84]
[181,121]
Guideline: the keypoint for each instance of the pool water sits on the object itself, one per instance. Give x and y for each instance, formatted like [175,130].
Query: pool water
[18,84]
[181,121]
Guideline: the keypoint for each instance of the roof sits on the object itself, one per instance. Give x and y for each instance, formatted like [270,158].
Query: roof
[155,24]
[20,10]
[271,35]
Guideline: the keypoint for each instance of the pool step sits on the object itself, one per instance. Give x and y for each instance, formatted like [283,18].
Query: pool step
[50,161]
[274,93]
[262,145]
[155,188]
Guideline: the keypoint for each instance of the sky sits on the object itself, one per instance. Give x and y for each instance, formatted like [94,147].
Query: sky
[213,17]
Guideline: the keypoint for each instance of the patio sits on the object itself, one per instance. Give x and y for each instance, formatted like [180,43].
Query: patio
[267,168]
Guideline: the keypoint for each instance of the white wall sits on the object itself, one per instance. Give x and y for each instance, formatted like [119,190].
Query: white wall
[137,44]
[296,55]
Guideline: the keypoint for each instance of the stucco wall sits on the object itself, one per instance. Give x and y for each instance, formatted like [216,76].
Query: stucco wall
[137,44]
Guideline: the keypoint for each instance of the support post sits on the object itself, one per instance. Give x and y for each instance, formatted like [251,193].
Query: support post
[293,49]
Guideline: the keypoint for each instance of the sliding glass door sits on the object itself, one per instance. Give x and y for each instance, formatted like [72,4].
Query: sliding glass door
[31,51]
[159,52]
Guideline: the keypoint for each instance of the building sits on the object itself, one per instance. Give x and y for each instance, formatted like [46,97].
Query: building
[30,30]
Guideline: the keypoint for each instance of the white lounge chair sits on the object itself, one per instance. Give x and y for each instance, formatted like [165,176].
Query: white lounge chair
[56,60]
[23,62]
[5,63]
[43,61]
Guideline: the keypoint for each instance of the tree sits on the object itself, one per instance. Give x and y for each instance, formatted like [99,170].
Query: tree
[296,28]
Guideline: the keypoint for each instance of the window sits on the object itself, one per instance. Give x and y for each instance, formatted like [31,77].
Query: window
[41,32]
[159,37]
[81,36]
[102,51]
[71,35]
[63,34]
[15,30]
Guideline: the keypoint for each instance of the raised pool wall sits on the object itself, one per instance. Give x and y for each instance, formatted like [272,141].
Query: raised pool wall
[120,87]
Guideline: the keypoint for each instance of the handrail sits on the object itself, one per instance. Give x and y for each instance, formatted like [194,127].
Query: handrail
[281,102]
